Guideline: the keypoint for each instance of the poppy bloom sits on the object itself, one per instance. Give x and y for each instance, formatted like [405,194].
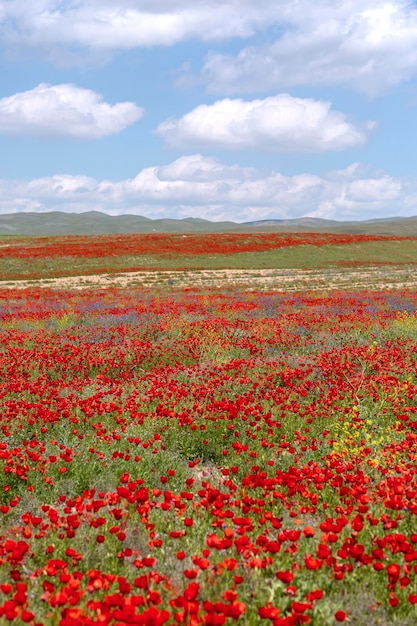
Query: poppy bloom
[340,616]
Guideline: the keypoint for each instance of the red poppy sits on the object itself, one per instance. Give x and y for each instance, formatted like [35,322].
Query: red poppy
[340,616]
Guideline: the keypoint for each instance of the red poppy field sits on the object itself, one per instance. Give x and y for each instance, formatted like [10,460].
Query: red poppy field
[173,244]
[208,457]
[48,257]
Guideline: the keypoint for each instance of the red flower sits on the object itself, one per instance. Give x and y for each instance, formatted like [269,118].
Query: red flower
[340,616]
[268,612]
[312,563]
[393,572]
[285,577]
[191,591]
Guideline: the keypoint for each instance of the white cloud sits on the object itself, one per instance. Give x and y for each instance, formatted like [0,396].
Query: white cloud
[130,23]
[279,123]
[196,168]
[197,186]
[373,189]
[368,44]
[64,111]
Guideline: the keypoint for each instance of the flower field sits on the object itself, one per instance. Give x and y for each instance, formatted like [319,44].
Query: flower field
[174,244]
[49,257]
[208,457]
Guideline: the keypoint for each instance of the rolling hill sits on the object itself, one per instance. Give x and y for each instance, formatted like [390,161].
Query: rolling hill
[95,223]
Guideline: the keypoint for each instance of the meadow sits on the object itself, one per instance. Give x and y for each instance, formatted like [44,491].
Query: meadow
[51,257]
[207,456]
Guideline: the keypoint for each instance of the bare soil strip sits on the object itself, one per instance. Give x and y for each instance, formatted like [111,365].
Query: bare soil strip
[385,277]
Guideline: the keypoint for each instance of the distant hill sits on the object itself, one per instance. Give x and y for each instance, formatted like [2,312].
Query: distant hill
[96,223]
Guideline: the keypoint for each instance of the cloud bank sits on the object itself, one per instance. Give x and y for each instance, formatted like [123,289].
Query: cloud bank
[131,23]
[197,186]
[368,44]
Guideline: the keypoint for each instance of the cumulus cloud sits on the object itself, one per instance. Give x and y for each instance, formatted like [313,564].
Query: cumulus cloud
[368,44]
[198,186]
[64,111]
[279,123]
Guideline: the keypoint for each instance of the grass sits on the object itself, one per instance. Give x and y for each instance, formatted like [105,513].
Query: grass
[300,257]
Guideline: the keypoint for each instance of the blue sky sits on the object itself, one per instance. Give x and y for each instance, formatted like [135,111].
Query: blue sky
[237,110]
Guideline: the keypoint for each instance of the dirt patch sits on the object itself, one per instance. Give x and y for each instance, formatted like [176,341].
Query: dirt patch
[388,277]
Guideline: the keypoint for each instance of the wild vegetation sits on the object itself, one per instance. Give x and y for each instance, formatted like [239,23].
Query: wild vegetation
[47,257]
[208,456]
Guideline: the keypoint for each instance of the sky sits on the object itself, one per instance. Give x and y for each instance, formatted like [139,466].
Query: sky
[235,110]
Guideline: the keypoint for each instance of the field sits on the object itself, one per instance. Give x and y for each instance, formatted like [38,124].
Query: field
[25,258]
[184,444]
